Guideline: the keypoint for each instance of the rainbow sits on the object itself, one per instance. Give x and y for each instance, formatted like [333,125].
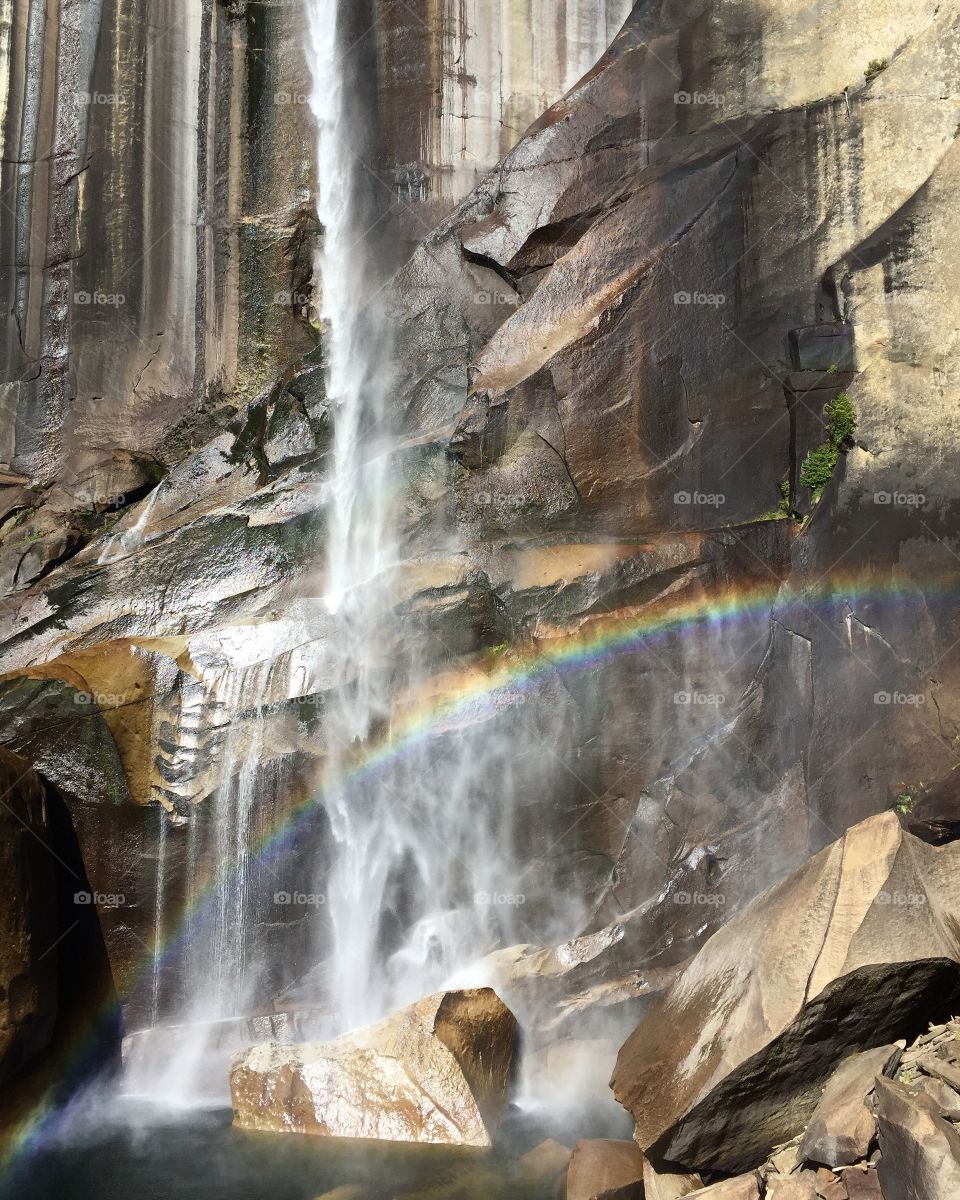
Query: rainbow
[480,690]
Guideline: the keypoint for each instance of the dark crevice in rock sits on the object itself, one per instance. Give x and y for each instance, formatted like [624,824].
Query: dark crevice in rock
[549,242]
[792,632]
[484,260]
[566,465]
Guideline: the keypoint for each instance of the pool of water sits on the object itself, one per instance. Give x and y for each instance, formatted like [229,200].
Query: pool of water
[137,1152]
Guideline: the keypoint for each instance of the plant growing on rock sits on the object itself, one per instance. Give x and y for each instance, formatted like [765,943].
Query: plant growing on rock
[784,510]
[874,67]
[841,420]
[818,466]
[908,796]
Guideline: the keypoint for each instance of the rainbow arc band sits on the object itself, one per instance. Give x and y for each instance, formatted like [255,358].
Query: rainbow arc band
[507,678]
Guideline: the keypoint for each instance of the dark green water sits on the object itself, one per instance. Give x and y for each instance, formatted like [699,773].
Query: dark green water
[199,1156]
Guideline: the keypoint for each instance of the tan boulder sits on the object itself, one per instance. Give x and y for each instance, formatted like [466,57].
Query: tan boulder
[547,1161]
[792,1187]
[602,1169]
[830,1186]
[436,1072]
[850,951]
[919,1150]
[783,1160]
[842,1127]
[667,1185]
[743,1187]
[861,1182]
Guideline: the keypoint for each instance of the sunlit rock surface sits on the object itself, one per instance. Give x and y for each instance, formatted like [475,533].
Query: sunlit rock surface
[603,1169]
[855,949]
[438,1072]
[842,1127]
[920,1149]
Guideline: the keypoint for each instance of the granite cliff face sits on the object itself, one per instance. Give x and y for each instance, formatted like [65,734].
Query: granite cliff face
[611,354]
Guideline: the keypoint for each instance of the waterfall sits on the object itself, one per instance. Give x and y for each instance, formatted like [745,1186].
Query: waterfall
[361,541]
[397,892]
[429,861]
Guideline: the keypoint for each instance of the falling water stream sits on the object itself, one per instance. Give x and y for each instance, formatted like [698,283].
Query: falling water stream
[361,539]
[419,848]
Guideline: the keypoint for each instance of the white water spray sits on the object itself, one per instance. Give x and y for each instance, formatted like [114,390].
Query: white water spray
[361,539]
[399,895]
[429,867]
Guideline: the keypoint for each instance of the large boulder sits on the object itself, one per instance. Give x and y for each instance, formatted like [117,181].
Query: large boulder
[920,1151]
[605,1169]
[548,1161]
[437,1072]
[667,1185]
[856,948]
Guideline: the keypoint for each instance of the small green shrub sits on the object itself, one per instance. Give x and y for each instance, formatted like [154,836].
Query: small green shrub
[784,510]
[874,67]
[817,468]
[841,420]
[908,796]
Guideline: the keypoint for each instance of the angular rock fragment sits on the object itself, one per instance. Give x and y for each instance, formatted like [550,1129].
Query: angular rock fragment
[861,1183]
[945,1099]
[842,1127]
[947,1072]
[792,1187]
[829,1186]
[852,950]
[743,1187]
[602,1169]
[783,1160]
[666,1185]
[438,1072]
[920,1151]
